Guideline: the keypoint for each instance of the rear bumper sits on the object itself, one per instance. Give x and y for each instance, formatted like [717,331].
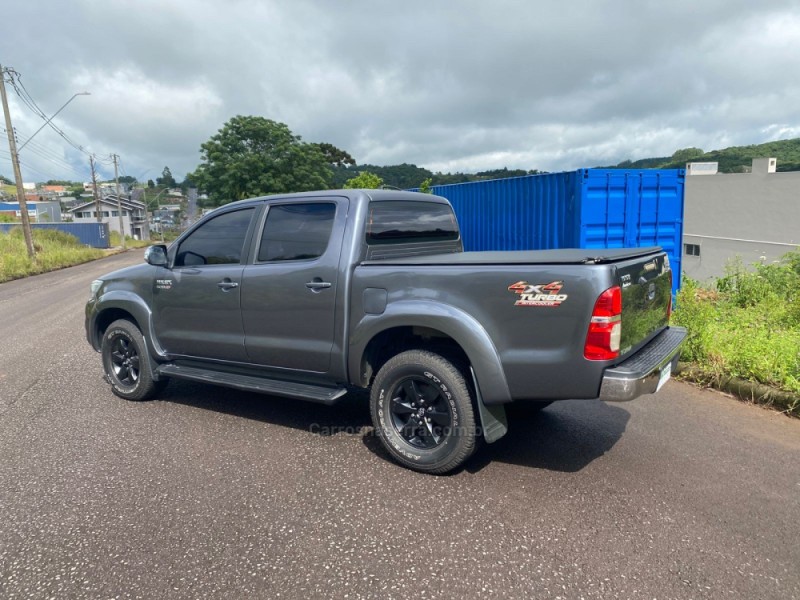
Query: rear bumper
[641,373]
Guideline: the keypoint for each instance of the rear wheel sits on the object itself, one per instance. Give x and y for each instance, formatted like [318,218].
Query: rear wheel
[423,412]
[126,364]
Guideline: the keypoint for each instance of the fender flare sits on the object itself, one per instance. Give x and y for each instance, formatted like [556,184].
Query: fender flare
[459,325]
[138,308]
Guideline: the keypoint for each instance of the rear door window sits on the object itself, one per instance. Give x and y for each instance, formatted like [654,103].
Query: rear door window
[296,231]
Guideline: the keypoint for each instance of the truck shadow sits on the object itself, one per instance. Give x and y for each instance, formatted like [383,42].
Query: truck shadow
[566,436]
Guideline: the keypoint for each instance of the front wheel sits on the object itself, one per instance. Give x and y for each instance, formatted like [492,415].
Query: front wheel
[126,364]
[423,413]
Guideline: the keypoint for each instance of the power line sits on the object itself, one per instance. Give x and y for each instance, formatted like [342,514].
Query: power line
[51,156]
[60,164]
[27,99]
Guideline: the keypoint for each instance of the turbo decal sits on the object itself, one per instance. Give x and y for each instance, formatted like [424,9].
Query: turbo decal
[538,295]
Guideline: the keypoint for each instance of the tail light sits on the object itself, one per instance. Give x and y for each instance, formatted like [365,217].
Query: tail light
[605,328]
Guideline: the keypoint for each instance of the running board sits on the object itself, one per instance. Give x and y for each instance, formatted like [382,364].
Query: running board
[248,383]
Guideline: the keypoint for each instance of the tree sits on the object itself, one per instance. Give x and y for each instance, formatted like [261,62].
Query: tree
[334,156]
[425,186]
[252,156]
[166,179]
[127,179]
[687,154]
[364,181]
[151,183]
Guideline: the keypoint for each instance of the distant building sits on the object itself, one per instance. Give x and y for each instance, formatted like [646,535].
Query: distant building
[134,215]
[755,216]
[58,190]
[39,212]
[702,168]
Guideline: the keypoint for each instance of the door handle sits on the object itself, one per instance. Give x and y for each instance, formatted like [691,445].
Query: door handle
[226,285]
[318,285]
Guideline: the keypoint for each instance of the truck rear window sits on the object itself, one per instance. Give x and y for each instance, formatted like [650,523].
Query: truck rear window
[398,222]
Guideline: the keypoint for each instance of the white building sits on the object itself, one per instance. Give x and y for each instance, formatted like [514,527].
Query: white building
[755,216]
[134,216]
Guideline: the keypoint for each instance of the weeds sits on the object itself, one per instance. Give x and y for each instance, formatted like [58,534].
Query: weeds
[54,250]
[116,240]
[748,325]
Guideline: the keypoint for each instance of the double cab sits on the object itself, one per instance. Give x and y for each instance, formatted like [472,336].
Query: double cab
[310,295]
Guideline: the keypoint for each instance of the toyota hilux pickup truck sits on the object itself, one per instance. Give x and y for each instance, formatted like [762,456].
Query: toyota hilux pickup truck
[311,295]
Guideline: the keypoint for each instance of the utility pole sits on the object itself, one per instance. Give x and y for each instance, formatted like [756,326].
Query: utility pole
[119,202]
[12,144]
[94,190]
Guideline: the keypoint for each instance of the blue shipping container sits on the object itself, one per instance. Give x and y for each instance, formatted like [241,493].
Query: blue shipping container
[91,234]
[587,208]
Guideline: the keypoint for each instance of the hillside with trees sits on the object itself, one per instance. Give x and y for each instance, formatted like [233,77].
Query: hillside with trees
[736,159]
[253,156]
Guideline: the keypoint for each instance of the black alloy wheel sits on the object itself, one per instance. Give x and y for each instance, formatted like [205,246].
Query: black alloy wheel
[126,364]
[420,413]
[124,360]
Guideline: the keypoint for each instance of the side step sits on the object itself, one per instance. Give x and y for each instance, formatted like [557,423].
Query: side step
[275,387]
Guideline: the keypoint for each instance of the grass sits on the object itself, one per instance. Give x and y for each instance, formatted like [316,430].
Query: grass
[54,250]
[747,325]
[129,241]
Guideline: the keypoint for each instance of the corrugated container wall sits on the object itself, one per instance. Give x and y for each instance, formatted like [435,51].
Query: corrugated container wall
[587,208]
[90,234]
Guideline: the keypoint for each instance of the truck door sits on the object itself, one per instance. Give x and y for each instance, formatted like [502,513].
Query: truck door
[289,293]
[197,303]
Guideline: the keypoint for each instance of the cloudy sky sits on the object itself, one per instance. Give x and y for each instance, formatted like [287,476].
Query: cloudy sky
[460,85]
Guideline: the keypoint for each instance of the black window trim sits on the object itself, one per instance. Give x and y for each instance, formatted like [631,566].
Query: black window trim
[283,202]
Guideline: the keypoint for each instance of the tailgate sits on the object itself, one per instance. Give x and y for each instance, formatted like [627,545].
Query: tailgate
[646,299]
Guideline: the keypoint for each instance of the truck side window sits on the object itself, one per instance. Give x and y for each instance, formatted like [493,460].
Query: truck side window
[398,222]
[216,242]
[296,231]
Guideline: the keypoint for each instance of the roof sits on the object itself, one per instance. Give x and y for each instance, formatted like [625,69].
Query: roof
[112,202]
[357,195]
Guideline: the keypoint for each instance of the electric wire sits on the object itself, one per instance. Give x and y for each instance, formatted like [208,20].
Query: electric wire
[15,80]
[27,99]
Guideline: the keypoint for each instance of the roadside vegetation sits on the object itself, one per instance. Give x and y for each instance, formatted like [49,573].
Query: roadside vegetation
[116,241]
[746,327]
[54,250]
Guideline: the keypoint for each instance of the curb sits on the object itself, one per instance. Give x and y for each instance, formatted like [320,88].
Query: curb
[749,391]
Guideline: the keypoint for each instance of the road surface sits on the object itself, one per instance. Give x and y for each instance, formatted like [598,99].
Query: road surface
[211,493]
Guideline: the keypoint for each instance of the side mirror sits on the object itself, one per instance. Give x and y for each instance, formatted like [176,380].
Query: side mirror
[156,255]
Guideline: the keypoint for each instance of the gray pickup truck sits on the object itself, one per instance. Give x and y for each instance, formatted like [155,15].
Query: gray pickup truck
[310,295]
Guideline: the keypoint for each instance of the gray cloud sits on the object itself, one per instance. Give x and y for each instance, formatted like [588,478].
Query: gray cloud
[451,86]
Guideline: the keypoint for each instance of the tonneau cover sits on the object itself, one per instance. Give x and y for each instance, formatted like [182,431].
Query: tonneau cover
[568,256]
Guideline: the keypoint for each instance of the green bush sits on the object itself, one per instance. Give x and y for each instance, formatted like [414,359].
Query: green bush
[54,250]
[748,324]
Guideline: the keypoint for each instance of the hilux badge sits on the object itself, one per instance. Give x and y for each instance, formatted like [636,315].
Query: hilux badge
[538,295]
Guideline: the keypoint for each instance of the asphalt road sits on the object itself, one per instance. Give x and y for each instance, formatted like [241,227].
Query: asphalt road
[210,493]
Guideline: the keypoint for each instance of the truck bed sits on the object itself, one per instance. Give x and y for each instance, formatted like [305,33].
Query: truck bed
[569,256]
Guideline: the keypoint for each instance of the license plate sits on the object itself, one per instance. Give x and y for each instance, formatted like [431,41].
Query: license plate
[666,373]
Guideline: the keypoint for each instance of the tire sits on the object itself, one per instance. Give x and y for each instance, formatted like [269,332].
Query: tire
[423,412]
[125,362]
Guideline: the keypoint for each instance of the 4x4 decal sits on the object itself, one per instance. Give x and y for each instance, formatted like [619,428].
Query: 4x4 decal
[542,294]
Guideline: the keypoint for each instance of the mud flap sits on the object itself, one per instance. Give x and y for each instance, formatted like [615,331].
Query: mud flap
[493,418]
